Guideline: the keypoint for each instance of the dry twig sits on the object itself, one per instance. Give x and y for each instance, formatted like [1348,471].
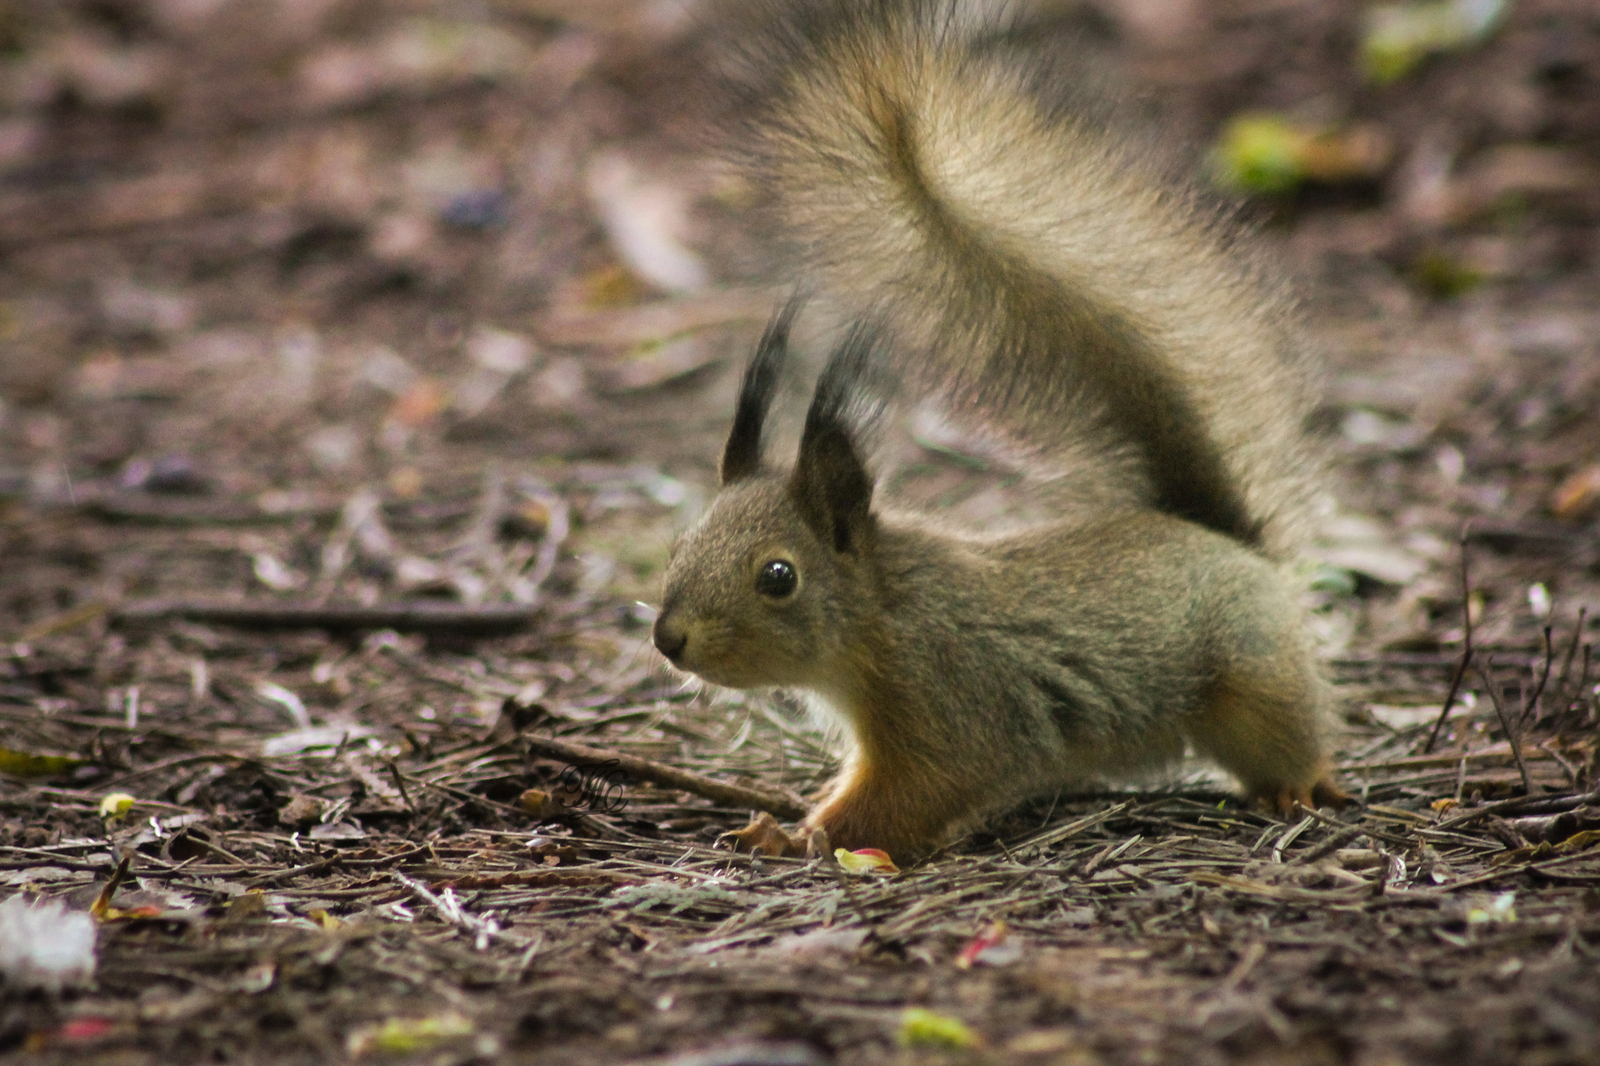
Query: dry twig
[418,616]
[1466,649]
[1505,723]
[781,804]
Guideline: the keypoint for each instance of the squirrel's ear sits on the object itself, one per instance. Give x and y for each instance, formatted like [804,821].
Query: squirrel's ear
[741,457]
[831,487]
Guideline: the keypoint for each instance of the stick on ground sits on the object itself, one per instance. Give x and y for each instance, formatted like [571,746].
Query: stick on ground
[413,616]
[780,804]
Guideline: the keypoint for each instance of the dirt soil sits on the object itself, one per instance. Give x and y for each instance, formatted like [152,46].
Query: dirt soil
[358,361]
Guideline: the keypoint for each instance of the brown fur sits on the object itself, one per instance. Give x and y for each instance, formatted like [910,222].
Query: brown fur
[1023,263]
[1036,266]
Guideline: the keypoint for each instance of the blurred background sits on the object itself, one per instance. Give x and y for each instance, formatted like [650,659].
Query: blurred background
[365,300]
[359,360]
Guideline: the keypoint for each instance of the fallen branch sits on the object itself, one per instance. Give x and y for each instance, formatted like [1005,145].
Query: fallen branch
[1530,706]
[1560,698]
[1505,724]
[1542,804]
[1466,649]
[1288,893]
[780,803]
[412,617]
[482,927]
[1332,844]
[152,509]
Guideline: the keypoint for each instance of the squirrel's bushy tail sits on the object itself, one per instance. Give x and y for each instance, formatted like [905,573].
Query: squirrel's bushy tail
[1028,261]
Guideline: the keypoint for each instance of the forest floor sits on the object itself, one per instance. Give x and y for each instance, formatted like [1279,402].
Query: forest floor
[340,451]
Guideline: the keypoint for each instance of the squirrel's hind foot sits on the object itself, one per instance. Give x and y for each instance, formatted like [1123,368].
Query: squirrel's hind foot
[1283,799]
[764,836]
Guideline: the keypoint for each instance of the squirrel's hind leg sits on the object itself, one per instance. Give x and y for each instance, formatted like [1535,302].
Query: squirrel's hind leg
[1263,723]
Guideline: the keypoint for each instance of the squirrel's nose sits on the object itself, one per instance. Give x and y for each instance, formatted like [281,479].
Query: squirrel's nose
[670,634]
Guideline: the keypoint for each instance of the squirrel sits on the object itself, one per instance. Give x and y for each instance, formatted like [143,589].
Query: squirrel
[995,240]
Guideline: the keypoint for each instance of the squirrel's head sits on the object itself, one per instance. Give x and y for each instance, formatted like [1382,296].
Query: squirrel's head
[760,592]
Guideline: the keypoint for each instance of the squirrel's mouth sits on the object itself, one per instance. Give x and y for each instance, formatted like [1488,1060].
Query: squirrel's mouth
[688,647]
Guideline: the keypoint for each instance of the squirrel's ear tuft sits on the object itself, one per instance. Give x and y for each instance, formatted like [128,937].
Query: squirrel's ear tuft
[741,457]
[831,486]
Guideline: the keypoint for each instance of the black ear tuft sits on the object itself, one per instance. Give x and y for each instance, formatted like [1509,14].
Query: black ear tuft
[741,457]
[831,486]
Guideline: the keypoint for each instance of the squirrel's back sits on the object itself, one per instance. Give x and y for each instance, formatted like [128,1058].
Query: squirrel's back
[1034,266]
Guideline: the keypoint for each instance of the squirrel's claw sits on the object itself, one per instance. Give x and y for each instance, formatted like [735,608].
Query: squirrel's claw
[764,836]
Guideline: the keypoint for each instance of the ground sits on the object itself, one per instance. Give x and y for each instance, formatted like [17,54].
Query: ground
[312,308]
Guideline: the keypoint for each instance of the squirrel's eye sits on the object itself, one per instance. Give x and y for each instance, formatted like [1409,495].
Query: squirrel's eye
[777,579]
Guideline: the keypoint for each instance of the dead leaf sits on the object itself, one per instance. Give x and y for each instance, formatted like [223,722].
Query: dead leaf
[865,861]
[1578,495]
[302,811]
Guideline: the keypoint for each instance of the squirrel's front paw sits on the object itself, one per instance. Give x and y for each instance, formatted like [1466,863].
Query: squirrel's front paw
[764,836]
